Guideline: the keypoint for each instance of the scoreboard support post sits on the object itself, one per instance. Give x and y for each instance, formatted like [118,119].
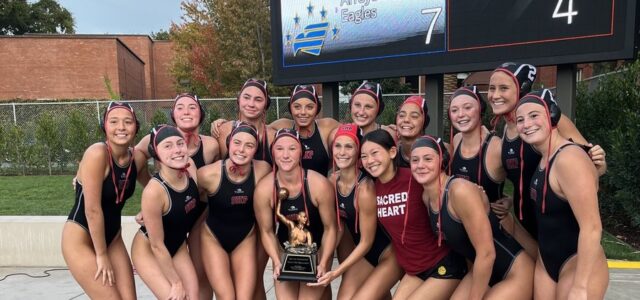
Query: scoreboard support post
[434,94]
[330,97]
[566,90]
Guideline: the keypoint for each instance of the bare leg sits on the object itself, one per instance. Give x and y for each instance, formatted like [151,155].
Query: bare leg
[519,281]
[122,268]
[78,253]
[379,282]
[217,266]
[598,281]
[434,289]
[243,270]
[543,286]
[262,260]
[195,251]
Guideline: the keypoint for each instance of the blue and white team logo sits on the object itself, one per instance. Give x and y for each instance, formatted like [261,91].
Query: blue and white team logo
[312,37]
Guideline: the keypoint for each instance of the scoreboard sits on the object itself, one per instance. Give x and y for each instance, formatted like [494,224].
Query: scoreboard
[338,40]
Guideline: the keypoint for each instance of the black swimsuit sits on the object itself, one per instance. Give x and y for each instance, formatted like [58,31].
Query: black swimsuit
[455,235]
[231,217]
[315,155]
[467,168]
[111,210]
[347,210]
[558,228]
[400,161]
[198,157]
[181,216]
[290,209]
[511,163]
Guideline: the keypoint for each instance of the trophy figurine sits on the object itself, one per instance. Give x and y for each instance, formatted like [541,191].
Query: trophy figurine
[300,252]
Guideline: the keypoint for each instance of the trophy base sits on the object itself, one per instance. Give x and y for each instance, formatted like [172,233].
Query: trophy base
[298,267]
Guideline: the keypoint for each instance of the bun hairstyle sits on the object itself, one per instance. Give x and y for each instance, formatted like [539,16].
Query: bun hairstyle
[260,84]
[117,104]
[438,145]
[545,98]
[194,98]
[374,90]
[157,135]
[522,74]
[304,91]
[422,104]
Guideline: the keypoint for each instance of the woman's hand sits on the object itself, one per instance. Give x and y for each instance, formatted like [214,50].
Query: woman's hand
[215,127]
[105,270]
[324,280]
[177,292]
[140,219]
[502,207]
[598,157]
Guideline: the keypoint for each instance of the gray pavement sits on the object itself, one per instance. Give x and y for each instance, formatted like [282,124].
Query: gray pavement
[624,284]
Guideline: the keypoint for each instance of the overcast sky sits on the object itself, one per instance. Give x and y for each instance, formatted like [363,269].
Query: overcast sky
[123,16]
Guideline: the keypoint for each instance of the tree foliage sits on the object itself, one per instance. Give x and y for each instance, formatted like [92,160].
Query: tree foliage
[221,44]
[609,115]
[161,35]
[44,16]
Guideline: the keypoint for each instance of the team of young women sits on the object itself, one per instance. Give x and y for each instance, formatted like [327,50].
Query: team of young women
[393,204]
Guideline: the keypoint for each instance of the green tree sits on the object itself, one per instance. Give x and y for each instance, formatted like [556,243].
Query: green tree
[161,35]
[49,138]
[45,16]
[77,137]
[608,115]
[18,152]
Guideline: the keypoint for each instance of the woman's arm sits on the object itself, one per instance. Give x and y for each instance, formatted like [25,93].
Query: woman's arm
[264,217]
[569,130]
[368,221]
[322,191]
[154,203]
[281,123]
[91,174]
[466,202]
[582,194]
[281,217]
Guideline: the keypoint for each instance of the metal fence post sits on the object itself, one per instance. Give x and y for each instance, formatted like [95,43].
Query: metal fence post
[98,110]
[277,108]
[15,121]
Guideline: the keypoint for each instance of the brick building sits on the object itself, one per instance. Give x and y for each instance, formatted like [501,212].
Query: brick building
[78,66]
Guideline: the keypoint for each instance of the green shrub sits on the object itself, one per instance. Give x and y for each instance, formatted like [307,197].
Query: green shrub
[608,115]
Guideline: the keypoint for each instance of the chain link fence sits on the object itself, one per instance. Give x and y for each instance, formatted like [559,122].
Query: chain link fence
[50,138]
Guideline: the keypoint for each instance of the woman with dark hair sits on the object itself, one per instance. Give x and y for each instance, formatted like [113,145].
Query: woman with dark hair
[476,151]
[368,264]
[229,238]
[315,134]
[159,250]
[411,121]
[571,263]
[308,192]
[188,114]
[253,102]
[508,83]
[460,216]
[92,244]
[432,272]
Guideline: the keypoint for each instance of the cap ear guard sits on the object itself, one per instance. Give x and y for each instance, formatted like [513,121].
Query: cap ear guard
[260,84]
[523,74]
[113,105]
[545,98]
[195,98]
[372,89]
[436,144]
[305,91]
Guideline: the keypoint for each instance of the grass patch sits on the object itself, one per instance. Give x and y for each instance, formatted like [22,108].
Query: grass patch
[617,249]
[46,196]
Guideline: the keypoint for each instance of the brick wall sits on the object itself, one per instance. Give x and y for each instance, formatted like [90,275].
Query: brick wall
[163,54]
[57,68]
[131,74]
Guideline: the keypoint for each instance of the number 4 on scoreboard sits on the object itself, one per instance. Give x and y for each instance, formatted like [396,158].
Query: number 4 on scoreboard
[436,13]
[568,14]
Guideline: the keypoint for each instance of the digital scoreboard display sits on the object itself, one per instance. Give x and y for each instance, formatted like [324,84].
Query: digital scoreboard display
[339,40]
